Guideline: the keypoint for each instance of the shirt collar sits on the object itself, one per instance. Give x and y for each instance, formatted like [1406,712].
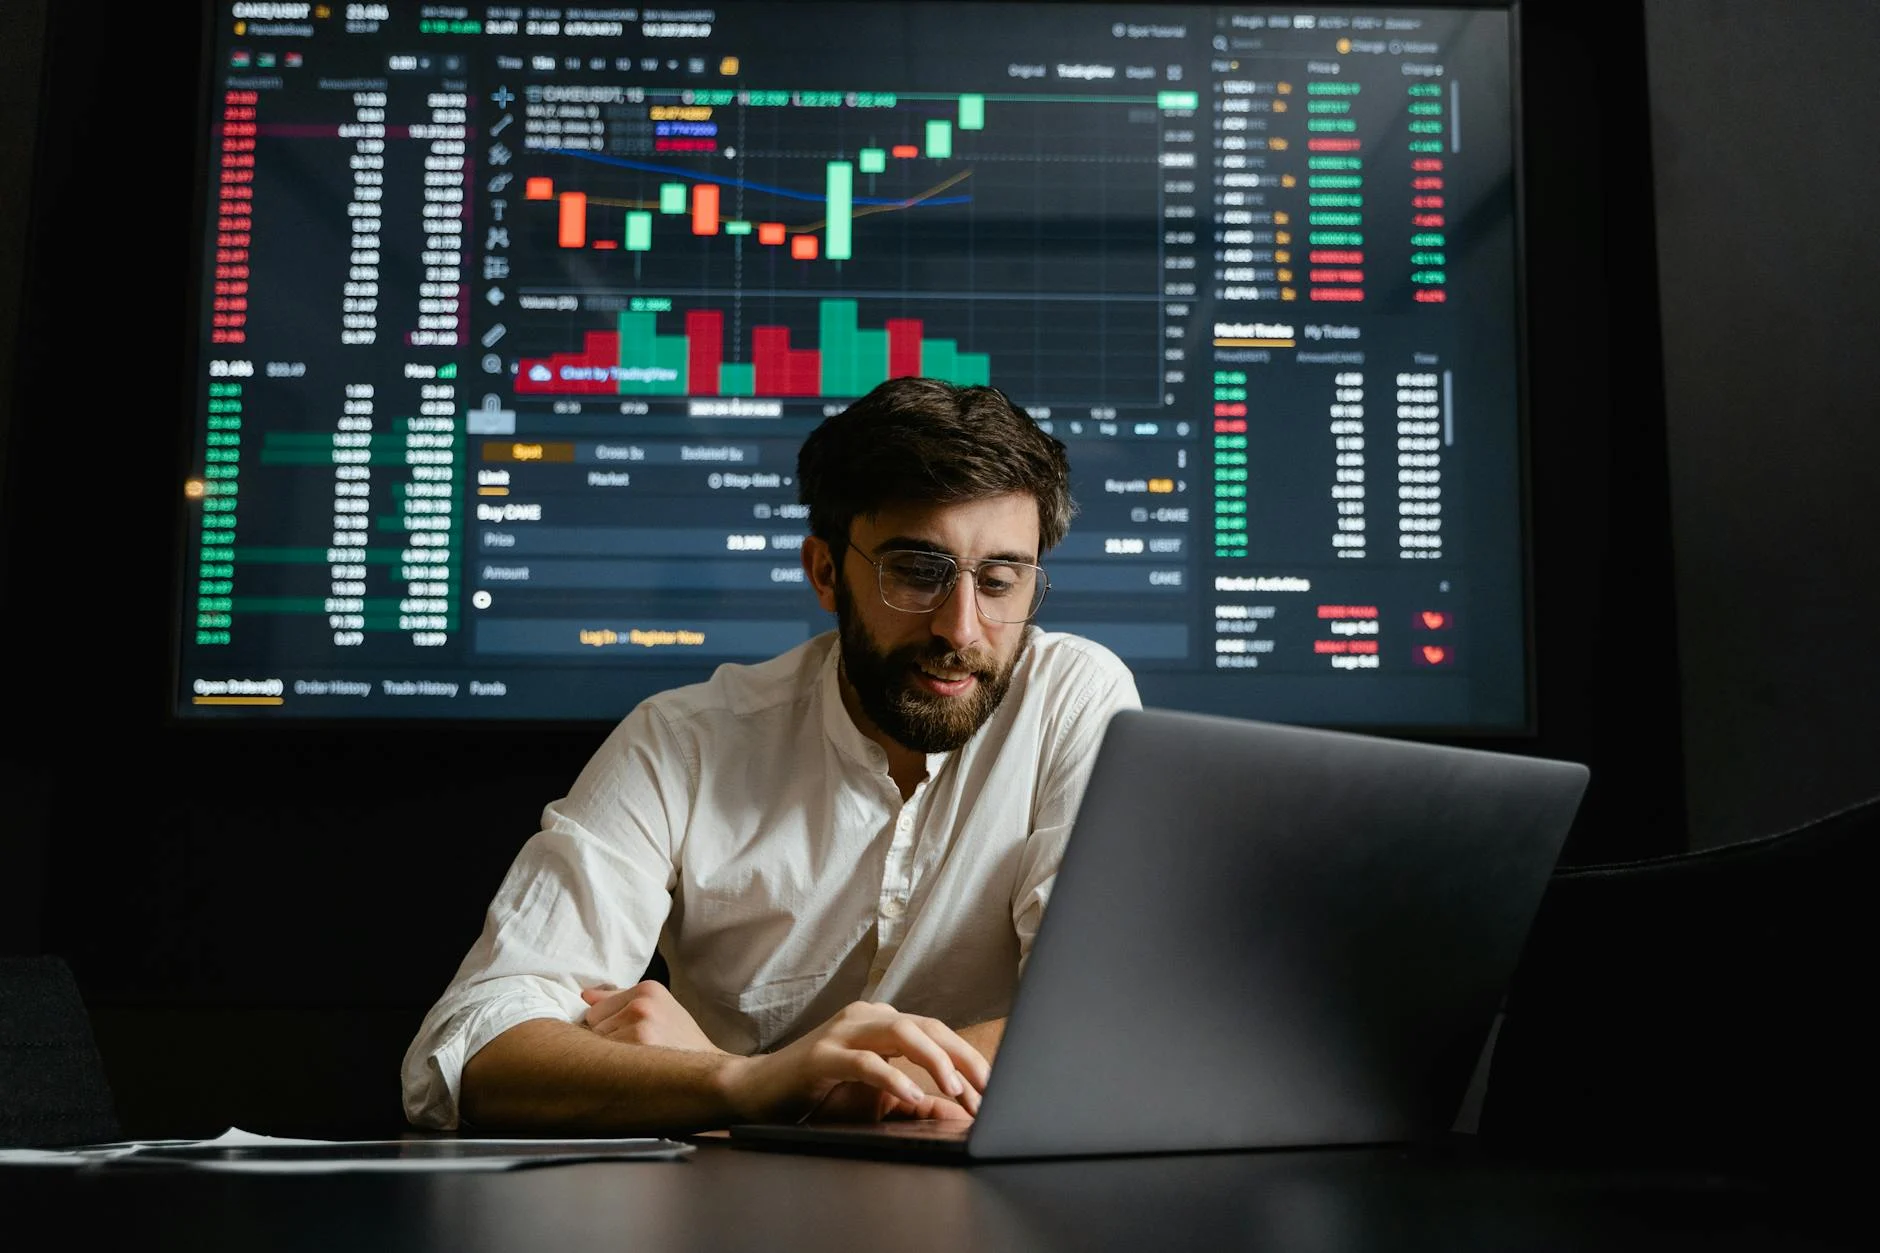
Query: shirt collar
[837,725]
[841,729]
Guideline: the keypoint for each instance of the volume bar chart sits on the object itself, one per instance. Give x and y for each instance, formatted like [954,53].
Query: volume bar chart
[635,359]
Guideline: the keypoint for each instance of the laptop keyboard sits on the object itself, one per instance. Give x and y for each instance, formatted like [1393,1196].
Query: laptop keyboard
[924,1128]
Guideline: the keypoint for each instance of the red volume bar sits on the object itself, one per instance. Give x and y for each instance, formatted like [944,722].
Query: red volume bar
[904,347]
[781,370]
[705,349]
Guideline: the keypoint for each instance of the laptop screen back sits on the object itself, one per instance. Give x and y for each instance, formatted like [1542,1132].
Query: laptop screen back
[1269,935]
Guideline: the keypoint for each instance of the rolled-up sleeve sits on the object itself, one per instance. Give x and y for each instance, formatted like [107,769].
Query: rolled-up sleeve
[583,903]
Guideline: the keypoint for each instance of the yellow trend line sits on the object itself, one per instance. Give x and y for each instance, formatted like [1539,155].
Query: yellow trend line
[909,203]
[822,223]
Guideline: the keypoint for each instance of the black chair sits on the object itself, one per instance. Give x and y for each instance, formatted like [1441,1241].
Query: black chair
[1706,1008]
[53,1090]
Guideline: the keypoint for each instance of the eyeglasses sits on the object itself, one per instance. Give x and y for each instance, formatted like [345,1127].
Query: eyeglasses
[920,582]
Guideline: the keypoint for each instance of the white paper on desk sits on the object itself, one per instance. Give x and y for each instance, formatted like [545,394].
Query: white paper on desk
[80,1155]
[245,1152]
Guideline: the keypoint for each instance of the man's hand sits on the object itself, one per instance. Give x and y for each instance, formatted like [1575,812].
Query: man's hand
[831,1072]
[857,1102]
[645,1013]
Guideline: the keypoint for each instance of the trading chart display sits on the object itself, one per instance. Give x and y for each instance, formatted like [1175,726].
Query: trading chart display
[513,319]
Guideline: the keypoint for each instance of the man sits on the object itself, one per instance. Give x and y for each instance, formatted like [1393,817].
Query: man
[843,853]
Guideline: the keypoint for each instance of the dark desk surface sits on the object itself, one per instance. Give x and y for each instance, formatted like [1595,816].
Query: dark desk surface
[728,1198]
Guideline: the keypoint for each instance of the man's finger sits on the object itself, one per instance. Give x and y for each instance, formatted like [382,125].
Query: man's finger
[621,1026]
[941,1107]
[873,1069]
[606,1007]
[969,1061]
[919,1047]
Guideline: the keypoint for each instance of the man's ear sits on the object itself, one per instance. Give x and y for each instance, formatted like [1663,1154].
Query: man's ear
[820,565]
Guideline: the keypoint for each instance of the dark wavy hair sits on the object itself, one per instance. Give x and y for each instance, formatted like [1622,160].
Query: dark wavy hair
[924,441]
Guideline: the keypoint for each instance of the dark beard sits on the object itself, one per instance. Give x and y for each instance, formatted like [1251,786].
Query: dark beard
[907,715]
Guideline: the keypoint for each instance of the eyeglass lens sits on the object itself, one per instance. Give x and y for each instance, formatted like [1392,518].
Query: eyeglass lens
[1007,591]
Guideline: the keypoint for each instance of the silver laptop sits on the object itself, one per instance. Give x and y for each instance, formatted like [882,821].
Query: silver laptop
[1262,936]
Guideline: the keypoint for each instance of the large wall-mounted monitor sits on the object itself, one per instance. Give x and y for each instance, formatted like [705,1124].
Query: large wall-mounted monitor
[512,319]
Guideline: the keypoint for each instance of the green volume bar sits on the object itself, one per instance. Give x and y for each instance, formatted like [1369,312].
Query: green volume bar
[939,138]
[636,350]
[942,359]
[836,241]
[737,379]
[836,334]
[937,359]
[669,356]
[871,360]
[651,364]
[972,113]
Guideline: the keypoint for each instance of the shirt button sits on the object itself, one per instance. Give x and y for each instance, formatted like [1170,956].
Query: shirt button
[892,908]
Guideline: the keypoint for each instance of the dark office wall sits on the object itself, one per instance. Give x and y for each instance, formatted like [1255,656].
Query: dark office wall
[22,31]
[257,921]
[260,918]
[1763,117]
[22,28]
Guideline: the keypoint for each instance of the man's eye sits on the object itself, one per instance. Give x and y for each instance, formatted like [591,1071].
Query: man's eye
[924,573]
[998,580]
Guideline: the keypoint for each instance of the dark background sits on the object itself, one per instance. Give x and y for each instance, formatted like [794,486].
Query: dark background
[259,918]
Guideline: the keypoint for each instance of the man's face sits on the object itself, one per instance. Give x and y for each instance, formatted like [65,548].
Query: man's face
[928,681]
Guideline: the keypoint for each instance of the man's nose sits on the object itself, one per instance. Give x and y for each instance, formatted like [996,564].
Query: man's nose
[958,621]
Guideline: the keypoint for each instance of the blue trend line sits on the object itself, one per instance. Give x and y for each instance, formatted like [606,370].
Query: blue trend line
[785,192]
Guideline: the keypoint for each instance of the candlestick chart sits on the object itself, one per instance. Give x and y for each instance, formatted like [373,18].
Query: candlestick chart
[745,242]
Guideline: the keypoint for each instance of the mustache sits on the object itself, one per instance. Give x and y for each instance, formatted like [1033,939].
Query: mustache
[974,661]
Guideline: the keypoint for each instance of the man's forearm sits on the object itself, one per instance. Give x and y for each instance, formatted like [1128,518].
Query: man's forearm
[545,1075]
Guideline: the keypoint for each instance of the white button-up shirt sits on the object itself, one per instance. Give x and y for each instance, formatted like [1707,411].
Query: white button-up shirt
[751,832]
